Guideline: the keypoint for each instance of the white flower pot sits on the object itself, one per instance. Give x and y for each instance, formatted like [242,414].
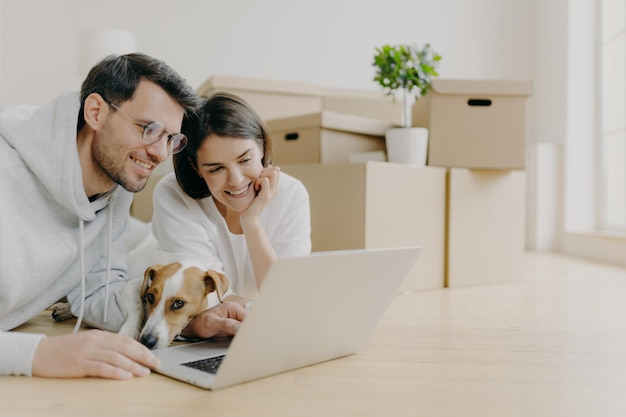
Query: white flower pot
[407,145]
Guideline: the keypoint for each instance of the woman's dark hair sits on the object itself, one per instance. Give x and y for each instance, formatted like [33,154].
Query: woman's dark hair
[225,115]
[116,78]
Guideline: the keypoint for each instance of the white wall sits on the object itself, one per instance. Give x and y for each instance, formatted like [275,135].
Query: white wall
[330,42]
[1,36]
[548,126]
[580,194]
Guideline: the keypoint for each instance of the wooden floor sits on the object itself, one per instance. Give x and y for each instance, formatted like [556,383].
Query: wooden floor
[553,344]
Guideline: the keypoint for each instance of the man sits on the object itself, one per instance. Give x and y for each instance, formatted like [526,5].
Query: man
[67,173]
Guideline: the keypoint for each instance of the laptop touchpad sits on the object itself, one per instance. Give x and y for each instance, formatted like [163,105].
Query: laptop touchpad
[207,348]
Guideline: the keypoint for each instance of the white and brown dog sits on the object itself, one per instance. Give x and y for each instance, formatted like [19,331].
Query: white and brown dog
[169,297]
[158,308]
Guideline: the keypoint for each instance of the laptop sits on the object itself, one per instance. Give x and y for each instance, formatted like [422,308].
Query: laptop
[309,310]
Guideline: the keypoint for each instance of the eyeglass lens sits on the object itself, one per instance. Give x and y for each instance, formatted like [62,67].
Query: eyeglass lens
[154,131]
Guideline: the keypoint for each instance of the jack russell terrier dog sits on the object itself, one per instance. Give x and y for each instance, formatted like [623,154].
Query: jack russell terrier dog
[158,308]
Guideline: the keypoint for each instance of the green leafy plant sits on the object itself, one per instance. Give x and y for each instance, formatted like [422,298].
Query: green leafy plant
[408,69]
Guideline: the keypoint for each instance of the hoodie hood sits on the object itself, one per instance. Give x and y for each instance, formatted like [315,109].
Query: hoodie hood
[54,157]
[67,246]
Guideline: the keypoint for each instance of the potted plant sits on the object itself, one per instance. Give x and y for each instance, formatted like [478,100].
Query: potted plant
[406,72]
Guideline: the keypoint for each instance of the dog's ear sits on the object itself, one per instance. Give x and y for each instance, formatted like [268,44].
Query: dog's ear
[148,277]
[216,281]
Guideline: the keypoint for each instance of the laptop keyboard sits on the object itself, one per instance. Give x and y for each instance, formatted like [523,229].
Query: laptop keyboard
[208,365]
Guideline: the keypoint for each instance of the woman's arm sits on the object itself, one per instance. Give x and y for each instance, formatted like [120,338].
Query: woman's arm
[260,249]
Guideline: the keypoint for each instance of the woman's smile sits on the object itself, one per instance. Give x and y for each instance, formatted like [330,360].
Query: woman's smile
[241,192]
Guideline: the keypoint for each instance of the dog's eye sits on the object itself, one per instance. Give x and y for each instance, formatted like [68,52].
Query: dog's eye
[150,298]
[178,304]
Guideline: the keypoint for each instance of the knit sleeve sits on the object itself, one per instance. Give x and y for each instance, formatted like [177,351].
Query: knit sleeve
[290,226]
[17,351]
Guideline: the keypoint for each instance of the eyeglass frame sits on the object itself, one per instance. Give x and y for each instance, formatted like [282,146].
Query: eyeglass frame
[145,125]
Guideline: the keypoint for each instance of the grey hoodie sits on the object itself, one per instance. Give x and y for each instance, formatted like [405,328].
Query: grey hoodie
[49,230]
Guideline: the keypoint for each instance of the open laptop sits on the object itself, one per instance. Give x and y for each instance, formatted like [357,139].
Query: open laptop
[309,310]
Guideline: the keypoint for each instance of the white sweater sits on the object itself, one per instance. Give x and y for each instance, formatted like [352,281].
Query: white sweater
[190,228]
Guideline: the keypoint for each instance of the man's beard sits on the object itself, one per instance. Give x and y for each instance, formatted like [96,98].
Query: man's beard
[105,153]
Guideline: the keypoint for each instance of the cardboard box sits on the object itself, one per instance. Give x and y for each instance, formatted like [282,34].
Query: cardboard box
[376,105]
[485,231]
[378,205]
[325,137]
[478,123]
[272,99]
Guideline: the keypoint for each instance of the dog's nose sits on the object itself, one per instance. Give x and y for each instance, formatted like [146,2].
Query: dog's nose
[149,340]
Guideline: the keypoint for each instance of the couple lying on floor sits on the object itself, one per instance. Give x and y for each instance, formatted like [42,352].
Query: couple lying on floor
[76,163]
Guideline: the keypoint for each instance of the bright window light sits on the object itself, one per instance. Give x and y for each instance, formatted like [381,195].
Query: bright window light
[612,141]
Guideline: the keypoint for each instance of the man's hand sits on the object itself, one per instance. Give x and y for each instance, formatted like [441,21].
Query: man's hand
[92,353]
[222,320]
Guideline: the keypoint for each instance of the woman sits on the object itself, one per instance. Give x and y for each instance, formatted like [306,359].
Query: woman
[227,206]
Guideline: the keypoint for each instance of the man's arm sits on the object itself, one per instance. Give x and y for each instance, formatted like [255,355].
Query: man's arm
[90,353]
[93,353]
[17,351]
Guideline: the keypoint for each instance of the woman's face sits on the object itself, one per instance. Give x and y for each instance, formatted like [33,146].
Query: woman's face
[230,167]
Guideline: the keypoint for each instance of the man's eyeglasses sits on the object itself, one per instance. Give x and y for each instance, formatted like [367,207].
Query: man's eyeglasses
[154,131]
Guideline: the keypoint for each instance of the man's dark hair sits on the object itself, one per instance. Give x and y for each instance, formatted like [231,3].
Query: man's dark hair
[116,78]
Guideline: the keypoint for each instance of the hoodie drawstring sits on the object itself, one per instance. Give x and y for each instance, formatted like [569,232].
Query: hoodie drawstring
[82,275]
[82,267]
[110,239]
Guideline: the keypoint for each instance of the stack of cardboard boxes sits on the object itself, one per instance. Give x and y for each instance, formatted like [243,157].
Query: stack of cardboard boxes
[478,133]
[465,208]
